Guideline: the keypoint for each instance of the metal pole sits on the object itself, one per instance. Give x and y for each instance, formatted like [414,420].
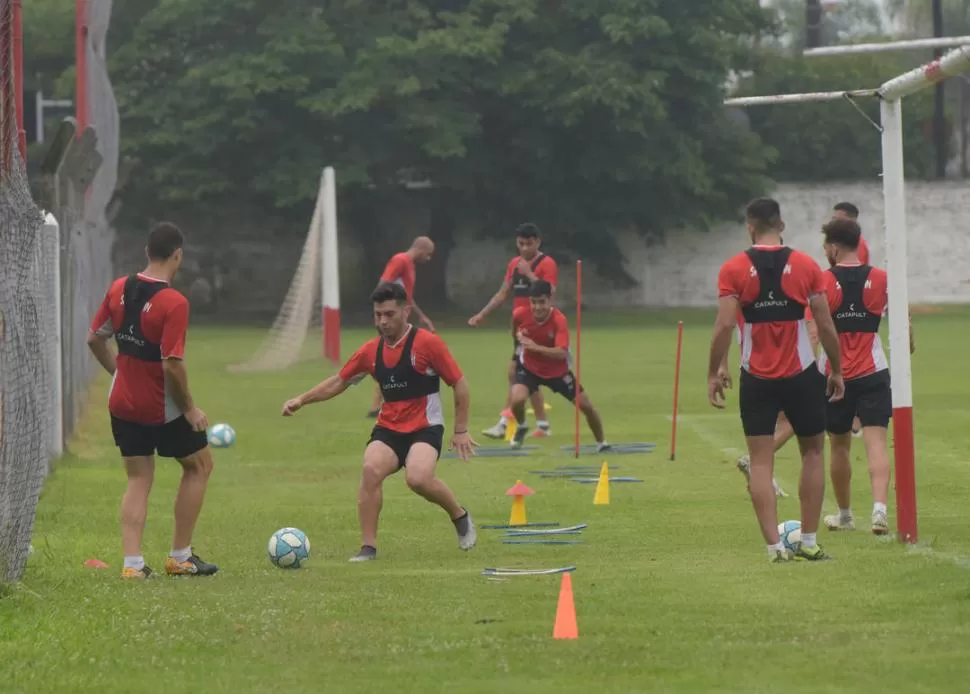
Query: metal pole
[889,46]
[798,98]
[939,115]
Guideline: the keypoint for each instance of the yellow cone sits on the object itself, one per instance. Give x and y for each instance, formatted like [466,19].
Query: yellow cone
[510,430]
[517,517]
[602,496]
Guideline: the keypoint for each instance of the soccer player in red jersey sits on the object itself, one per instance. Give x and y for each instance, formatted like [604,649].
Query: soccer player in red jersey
[401,269]
[771,285]
[543,334]
[150,405]
[857,297]
[529,266]
[409,364]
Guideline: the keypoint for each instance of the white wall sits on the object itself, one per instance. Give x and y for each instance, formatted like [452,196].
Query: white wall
[682,270]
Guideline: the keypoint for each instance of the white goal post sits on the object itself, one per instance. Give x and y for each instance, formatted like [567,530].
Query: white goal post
[314,291]
[890,95]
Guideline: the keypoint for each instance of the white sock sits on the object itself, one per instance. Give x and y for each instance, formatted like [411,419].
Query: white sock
[845,514]
[542,423]
[876,507]
[503,421]
[136,562]
[181,554]
[808,540]
[780,547]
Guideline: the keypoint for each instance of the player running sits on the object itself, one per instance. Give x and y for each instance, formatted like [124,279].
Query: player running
[857,299]
[783,430]
[150,405]
[544,360]
[401,270]
[771,285]
[529,266]
[409,363]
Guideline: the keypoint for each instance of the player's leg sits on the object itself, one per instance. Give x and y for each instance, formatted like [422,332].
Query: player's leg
[803,399]
[838,423]
[875,409]
[498,431]
[759,405]
[783,432]
[178,440]
[137,447]
[539,407]
[526,384]
[422,459]
[566,387]
[381,459]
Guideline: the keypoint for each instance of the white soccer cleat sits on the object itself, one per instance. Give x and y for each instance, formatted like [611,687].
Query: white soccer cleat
[837,522]
[744,466]
[778,490]
[880,524]
[496,432]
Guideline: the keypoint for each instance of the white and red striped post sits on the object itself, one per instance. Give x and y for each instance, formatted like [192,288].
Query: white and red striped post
[893,182]
[330,273]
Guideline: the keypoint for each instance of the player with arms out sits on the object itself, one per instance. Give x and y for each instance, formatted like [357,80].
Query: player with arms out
[857,299]
[771,285]
[529,266]
[400,269]
[150,405]
[408,363]
[543,334]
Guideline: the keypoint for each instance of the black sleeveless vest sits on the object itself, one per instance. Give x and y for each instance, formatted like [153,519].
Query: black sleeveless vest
[772,304]
[521,283]
[130,339]
[852,316]
[403,381]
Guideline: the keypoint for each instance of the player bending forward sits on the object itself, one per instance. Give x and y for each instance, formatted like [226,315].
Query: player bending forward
[150,405]
[857,299]
[772,285]
[543,360]
[408,363]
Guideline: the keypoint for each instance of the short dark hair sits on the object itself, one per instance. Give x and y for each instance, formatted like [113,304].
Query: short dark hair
[389,291]
[848,208]
[764,213]
[540,288]
[527,230]
[843,232]
[163,240]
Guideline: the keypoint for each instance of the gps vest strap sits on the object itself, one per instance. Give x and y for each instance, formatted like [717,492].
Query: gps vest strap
[403,381]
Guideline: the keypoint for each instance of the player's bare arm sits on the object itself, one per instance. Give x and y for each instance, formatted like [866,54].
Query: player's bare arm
[496,301]
[829,339]
[724,325]
[323,391]
[421,317]
[525,269]
[177,382]
[102,352]
[553,352]
[461,440]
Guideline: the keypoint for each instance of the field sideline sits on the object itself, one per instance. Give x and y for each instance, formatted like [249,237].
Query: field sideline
[673,589]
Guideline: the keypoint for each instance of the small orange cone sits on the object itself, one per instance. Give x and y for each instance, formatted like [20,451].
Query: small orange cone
[518,492]
[565,627]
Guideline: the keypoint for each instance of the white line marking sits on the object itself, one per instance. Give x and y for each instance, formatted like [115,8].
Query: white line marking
[705,433]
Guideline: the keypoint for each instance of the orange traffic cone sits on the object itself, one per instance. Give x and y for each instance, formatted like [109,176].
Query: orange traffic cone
[565,627]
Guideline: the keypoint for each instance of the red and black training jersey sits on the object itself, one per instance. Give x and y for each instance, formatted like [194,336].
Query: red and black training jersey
[857,297]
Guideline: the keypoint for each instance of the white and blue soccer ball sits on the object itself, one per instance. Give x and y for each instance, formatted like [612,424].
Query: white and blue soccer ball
[790,533]
[289,548]
[221,436]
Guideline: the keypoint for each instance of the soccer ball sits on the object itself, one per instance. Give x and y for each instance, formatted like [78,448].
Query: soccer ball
[288,548]
[790,533]
[221,436]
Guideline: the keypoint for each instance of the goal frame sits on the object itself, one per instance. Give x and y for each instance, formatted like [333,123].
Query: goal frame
[890,95]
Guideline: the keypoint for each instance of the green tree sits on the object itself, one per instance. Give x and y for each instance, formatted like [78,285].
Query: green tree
[833,141]
[585,116]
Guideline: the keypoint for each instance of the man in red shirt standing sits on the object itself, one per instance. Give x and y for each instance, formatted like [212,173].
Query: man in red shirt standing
[543,335]
[408,363]
[857,298]
[529,266]
[771,285]
[400,269]
[151,408]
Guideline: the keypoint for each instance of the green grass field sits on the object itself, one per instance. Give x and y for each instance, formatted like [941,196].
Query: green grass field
[673,589]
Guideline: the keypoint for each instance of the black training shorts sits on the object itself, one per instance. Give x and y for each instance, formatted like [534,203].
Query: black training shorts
[401,443]
[801,398]
[565,385]
[175,439]
[869,397]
